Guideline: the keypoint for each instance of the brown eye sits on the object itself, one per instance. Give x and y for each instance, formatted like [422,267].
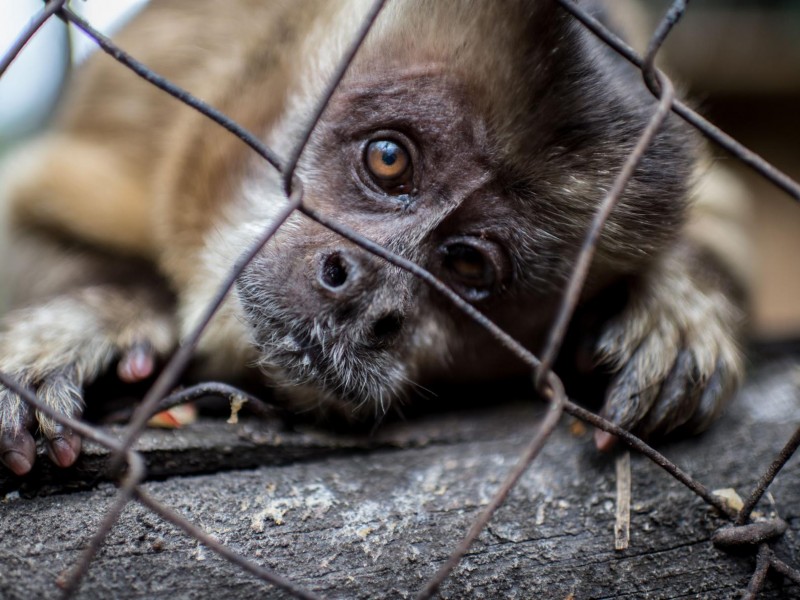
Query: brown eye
[468,264]
[474,266]
[389,164]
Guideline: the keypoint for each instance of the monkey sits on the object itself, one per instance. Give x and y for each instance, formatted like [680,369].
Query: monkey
[474,138]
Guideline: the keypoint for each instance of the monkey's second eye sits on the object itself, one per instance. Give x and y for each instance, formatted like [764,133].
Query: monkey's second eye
[389,165]
[476,267]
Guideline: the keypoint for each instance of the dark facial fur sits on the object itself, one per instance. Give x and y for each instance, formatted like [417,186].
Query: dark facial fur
[519,177]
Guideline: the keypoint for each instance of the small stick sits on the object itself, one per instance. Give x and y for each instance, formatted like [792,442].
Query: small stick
[622,526]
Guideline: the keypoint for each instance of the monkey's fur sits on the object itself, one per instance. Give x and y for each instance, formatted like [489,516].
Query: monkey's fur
[126,215]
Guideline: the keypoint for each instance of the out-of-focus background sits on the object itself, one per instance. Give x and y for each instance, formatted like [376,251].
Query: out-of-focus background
[739,61]
[30,88]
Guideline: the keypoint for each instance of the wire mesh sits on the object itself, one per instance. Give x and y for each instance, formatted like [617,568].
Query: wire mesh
[743,532]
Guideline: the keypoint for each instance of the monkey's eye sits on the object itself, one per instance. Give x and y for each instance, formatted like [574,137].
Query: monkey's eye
[389,165]
[474,265]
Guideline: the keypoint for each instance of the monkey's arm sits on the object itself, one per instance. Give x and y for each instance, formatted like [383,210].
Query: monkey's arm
[85,312]
[74,308]
[673,350]
[93,212]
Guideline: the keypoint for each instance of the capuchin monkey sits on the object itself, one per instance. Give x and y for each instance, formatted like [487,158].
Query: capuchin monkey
[475,138]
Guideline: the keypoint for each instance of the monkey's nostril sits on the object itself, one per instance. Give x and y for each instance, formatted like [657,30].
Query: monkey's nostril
[387,327]
[334,271]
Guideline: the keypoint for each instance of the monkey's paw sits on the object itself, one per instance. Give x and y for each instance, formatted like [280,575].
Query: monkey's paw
[673,356]
[57,347]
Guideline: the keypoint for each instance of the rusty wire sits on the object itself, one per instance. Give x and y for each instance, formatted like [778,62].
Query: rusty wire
[583,262]
[760,574]
[252,404]
[327,94]
[51,8]
[783,456]
[547,382]
[174,517]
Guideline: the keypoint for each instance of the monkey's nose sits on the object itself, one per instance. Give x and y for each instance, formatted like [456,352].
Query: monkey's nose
[354,285]
[337,271]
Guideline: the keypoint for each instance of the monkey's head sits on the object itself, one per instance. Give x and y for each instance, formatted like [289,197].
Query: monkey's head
[476,139]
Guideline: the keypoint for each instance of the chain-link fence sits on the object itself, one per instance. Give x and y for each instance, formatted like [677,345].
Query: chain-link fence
[743,532]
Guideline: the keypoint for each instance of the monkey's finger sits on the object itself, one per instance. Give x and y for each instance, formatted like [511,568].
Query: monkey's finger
[136,363]
[64,447]
[634,390]
[626,408]
[17,451]
[62,392]
[641,347]
[678,399]
[17,447]
[713,397]
[604,441]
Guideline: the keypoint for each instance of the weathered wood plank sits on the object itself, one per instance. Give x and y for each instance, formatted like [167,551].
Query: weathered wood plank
[359,521]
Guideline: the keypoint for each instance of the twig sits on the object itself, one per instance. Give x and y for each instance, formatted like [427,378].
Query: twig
[622,524]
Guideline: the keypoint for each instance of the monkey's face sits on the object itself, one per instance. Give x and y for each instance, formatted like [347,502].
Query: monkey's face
[335,322]
[488,184]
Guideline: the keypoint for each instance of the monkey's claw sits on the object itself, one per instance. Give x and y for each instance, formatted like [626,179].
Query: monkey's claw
[136,363]
[62,390]
[58,390]
[673,357]
[58,347]
[17,450]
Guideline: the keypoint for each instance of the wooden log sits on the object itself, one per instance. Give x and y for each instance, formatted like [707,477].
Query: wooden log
[360,517]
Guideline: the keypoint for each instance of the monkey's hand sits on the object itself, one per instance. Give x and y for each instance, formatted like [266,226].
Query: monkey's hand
[672,352]
[56,347]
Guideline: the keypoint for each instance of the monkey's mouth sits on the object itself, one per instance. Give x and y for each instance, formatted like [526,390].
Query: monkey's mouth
[323,352]
[326,367]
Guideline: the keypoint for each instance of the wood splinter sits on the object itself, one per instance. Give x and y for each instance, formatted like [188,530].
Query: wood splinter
[622,526]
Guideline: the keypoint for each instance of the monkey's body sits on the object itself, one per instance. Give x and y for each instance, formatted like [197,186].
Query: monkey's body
[126,216]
